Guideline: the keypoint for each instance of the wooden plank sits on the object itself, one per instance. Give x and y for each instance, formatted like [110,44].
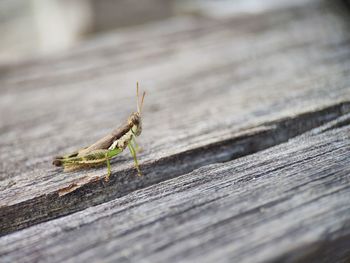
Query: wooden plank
[212,84]
[289,203]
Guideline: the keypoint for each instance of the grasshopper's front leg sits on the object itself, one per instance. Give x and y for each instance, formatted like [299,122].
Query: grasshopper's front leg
[136,146]
[109,154]
[133,153]
[108,168]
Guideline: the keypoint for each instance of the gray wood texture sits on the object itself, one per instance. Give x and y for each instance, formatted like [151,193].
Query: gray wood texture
[217,90]
[289,203]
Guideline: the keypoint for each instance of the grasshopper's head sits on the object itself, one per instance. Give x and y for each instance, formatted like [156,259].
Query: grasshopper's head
[135,118]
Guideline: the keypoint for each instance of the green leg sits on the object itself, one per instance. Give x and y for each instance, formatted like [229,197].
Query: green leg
[133,153]
[136,146]
[108,168]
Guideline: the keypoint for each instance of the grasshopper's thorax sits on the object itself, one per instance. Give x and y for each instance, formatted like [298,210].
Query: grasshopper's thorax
[135,121]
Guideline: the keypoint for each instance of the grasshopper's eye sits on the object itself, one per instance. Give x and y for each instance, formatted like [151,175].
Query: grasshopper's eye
[134,118]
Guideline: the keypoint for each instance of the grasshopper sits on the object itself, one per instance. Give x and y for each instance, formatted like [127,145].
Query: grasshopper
[109,146]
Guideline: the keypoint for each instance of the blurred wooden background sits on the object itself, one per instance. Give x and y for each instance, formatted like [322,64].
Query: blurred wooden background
[245,144]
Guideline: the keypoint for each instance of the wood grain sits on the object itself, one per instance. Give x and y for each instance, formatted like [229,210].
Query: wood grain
[289,203]
[247,81]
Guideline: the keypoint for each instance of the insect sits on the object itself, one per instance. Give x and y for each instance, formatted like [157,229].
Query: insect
[109,146]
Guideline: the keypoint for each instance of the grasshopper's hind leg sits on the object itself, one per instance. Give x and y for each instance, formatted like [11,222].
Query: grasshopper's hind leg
[133,153]
[108,168]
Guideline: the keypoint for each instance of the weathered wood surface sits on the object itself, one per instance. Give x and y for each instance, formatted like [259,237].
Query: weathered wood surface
[209,82]
[287,203]
[217,90]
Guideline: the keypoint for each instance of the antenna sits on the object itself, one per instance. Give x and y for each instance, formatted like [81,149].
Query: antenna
[143,97]
[139,105]
[137,96]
